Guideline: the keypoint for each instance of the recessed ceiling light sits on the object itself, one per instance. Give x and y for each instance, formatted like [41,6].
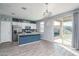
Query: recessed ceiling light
[13,13]
[46,3]
[23,8]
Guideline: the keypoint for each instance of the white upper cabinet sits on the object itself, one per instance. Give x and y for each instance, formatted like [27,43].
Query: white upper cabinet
[19,24]
[33,26]
[22,24]
[15,23]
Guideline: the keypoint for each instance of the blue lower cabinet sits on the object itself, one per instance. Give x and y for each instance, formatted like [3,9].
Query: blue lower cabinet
[28,38]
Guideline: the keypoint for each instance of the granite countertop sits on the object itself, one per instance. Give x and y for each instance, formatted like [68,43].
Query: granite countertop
[33,33]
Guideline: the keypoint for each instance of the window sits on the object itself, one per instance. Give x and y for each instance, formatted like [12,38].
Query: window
[41,26]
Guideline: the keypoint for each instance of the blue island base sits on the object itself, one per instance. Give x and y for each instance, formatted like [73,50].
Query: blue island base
[24,39]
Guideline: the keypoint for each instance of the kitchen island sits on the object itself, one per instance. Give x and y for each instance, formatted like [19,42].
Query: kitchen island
[24,38]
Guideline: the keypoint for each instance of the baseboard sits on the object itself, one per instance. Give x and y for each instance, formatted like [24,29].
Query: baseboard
[30,43]
[5,42]
[70,50]
[47,40]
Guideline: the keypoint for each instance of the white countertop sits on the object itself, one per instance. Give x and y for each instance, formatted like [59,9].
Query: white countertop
[33,33]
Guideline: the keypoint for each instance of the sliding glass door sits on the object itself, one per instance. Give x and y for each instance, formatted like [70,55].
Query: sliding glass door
[67,32]
[63,31]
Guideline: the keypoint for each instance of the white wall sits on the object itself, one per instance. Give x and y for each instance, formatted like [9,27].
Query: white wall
[48,33]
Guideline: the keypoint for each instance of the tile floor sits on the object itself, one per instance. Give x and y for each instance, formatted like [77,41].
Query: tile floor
[41,48]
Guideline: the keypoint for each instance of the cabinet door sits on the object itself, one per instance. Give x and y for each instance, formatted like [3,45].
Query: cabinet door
[19,24]
[14,23]
[24,39]
[25,24]
[6,32]
[29,38]
[33,26]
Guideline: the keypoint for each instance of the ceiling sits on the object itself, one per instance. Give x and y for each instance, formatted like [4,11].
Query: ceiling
[34,11]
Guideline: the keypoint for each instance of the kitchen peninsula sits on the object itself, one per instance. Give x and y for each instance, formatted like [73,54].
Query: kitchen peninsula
[24,38]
